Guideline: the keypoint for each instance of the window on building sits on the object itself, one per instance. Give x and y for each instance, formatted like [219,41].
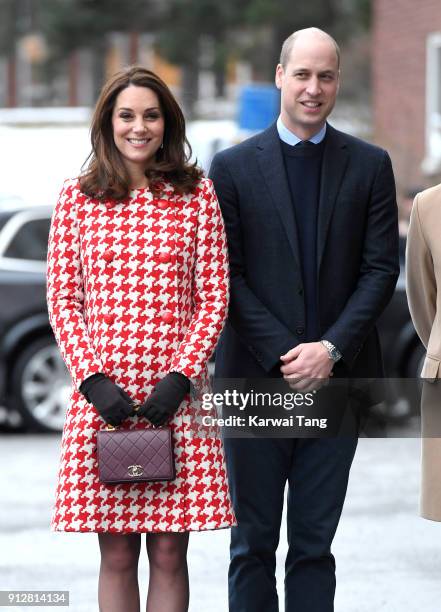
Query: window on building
[432,161]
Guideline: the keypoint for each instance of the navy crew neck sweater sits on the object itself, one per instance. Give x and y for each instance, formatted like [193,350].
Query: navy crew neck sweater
[303,169]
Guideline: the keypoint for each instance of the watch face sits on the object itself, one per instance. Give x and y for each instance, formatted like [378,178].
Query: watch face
[337,354]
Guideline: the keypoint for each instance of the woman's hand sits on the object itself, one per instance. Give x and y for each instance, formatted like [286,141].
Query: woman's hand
[165,398]
[112,402]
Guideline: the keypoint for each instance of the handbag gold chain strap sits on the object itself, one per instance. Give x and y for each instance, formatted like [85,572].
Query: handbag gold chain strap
[110,427]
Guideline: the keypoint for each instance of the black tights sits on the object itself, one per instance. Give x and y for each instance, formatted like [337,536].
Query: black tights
[118,581]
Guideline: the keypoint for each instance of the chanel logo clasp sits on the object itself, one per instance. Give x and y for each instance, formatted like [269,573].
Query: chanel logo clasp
[135,470]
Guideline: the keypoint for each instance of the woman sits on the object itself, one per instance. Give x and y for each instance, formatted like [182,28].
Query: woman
[137,297]
[423,265]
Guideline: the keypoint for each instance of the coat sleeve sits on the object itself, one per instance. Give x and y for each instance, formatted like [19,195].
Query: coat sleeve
[420,277]
[210,289]
[379,269]
[65,292]
[265,336]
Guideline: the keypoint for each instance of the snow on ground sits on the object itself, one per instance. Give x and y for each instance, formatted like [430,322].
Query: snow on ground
[387,557]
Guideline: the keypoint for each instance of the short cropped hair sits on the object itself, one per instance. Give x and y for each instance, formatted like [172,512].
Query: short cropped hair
[287,46]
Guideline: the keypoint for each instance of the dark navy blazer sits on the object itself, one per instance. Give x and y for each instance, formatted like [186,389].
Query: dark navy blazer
[357,254]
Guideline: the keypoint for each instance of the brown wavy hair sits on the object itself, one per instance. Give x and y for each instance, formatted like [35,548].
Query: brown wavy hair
[104,174]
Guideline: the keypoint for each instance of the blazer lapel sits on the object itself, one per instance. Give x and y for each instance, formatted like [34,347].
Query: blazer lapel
[335,161]
[272,167]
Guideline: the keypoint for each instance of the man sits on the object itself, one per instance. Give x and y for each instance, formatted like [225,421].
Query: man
[313,247]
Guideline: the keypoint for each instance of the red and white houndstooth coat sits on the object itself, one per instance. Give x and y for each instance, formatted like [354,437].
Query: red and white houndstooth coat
[137,289]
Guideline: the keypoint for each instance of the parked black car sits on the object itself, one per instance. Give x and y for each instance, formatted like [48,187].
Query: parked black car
[402,349]
[33,378]
[403,356]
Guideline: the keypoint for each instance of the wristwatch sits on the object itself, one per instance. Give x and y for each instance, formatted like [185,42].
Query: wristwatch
[333,352]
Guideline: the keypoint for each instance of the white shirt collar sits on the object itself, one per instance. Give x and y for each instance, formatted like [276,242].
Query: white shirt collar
[291,139]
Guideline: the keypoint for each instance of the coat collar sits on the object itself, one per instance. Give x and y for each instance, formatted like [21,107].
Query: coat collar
[335,161]
[272,167]
[166,192]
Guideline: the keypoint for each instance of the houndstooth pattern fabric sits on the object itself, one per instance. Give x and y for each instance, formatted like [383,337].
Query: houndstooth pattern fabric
[137,289]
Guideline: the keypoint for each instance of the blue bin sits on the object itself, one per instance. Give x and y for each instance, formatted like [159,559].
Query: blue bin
[259,106]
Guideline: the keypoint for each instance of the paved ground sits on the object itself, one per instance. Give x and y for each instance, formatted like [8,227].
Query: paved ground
[388,558]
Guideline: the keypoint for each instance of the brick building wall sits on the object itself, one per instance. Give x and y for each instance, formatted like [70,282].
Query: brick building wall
[399,35]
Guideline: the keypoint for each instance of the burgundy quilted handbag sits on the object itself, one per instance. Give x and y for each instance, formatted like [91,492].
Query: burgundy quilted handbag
[136,455]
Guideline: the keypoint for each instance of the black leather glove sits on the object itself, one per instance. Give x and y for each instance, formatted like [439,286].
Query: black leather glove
[165,398]
[112,402]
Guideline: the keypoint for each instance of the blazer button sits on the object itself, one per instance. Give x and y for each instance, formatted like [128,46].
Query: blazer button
[167,317]
[108,255]
[300,330]
[109,319]
[300,291]
[163,204]
[164,258]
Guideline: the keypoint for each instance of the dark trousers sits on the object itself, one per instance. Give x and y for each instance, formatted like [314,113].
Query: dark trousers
[317,471]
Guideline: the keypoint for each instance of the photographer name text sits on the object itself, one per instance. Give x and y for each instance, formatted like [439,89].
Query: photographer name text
[256,421]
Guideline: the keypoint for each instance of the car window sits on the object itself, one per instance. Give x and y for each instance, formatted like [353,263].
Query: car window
[30,241]
[3,220]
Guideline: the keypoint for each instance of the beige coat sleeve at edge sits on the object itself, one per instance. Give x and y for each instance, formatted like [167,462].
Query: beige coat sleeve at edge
[420,277]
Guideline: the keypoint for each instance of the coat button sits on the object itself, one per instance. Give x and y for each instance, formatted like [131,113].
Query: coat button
[164,258]
[300,330]
[109,319]
[167,317]
[108,255]
[163,204]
